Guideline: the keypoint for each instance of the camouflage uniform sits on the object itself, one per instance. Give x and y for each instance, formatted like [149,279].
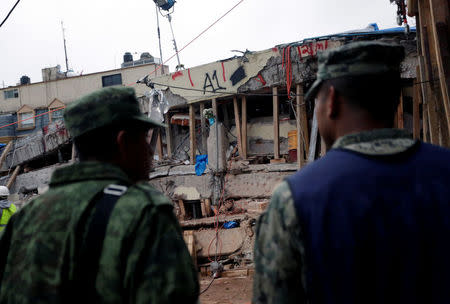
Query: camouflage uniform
[280,268]
[333,233]
[144,258]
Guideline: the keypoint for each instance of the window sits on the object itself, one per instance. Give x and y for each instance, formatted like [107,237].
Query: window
[11,94]
[111,80]
[25,124]
[25,117]
[57,115]
[56,108]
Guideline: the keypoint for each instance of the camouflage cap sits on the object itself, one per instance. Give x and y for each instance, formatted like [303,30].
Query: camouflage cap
[357,59]
[103,108]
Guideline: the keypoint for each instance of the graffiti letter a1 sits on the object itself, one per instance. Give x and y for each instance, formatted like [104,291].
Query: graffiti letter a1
[209,83]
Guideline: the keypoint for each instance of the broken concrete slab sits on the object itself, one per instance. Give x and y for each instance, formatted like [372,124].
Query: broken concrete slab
[46,140]
[34,179]
[253,185]
[230,241]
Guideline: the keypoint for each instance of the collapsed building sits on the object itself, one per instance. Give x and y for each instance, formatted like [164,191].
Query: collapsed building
[235,129]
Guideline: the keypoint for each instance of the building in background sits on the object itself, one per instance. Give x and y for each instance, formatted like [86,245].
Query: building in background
[28,107]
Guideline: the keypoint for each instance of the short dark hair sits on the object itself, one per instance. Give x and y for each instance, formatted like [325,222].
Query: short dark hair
[378,95]
[101,143]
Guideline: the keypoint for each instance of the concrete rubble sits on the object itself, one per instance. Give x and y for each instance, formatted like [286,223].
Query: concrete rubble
[235,188]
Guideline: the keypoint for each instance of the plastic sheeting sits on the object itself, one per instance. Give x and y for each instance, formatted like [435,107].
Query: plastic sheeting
[158,105]
[200,164]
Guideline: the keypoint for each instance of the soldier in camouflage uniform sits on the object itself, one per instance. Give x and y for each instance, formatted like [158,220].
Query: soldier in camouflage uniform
[143,258]
[370,221]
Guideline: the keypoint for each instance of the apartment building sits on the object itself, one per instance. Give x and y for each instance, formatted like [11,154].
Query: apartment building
[30,106]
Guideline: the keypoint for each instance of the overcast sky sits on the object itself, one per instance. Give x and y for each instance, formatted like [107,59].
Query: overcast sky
[98,32]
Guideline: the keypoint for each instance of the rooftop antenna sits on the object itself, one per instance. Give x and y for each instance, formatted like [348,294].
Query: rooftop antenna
[65,49]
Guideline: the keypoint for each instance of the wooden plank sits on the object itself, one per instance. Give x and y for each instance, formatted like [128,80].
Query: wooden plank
[214,108]
[182,209]
[424,88]
[416,108]
[203,208]
[74,153]
[189,239]
[313,141]
[244,127]
[13,177]
[439,13]
[300,137]
[412,8]
[169,139]
[276,124]
[235,273]
[5,152]
[159,147]
[192,138]
[438,123]
[420,87]
[429,101]
[203,128]
[237,121]
[400,120]
[425,124]
[303,120]
[208,210]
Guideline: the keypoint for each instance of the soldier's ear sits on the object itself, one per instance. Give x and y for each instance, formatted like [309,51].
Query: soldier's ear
[122,142]
[332,103]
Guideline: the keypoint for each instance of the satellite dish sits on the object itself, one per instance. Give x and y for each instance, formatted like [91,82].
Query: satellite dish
[165,4]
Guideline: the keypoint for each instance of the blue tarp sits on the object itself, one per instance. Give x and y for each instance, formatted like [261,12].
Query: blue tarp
[371,30]
[231,225]
[200,164]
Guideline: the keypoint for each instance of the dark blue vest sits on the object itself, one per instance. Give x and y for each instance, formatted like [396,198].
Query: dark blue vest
[376,229]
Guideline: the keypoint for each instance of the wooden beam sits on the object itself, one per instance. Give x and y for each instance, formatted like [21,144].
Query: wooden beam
[304,121]
[416,108]
[168,135]
[412,8]
[74,153]
[192,138]
[428,97]
[400,120]
[313,141]
[215,109]
[189,239]
[5,152]
[13,177]
[203,208]
[300,131]
[425,124]
[244,127]
[159,147]
[182,209]
[203,128]
[207,203]
[237,121]
[439,12]
[425,90]
[438,123]
[276,124]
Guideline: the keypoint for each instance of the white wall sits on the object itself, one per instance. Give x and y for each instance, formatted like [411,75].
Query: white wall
[41,94]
